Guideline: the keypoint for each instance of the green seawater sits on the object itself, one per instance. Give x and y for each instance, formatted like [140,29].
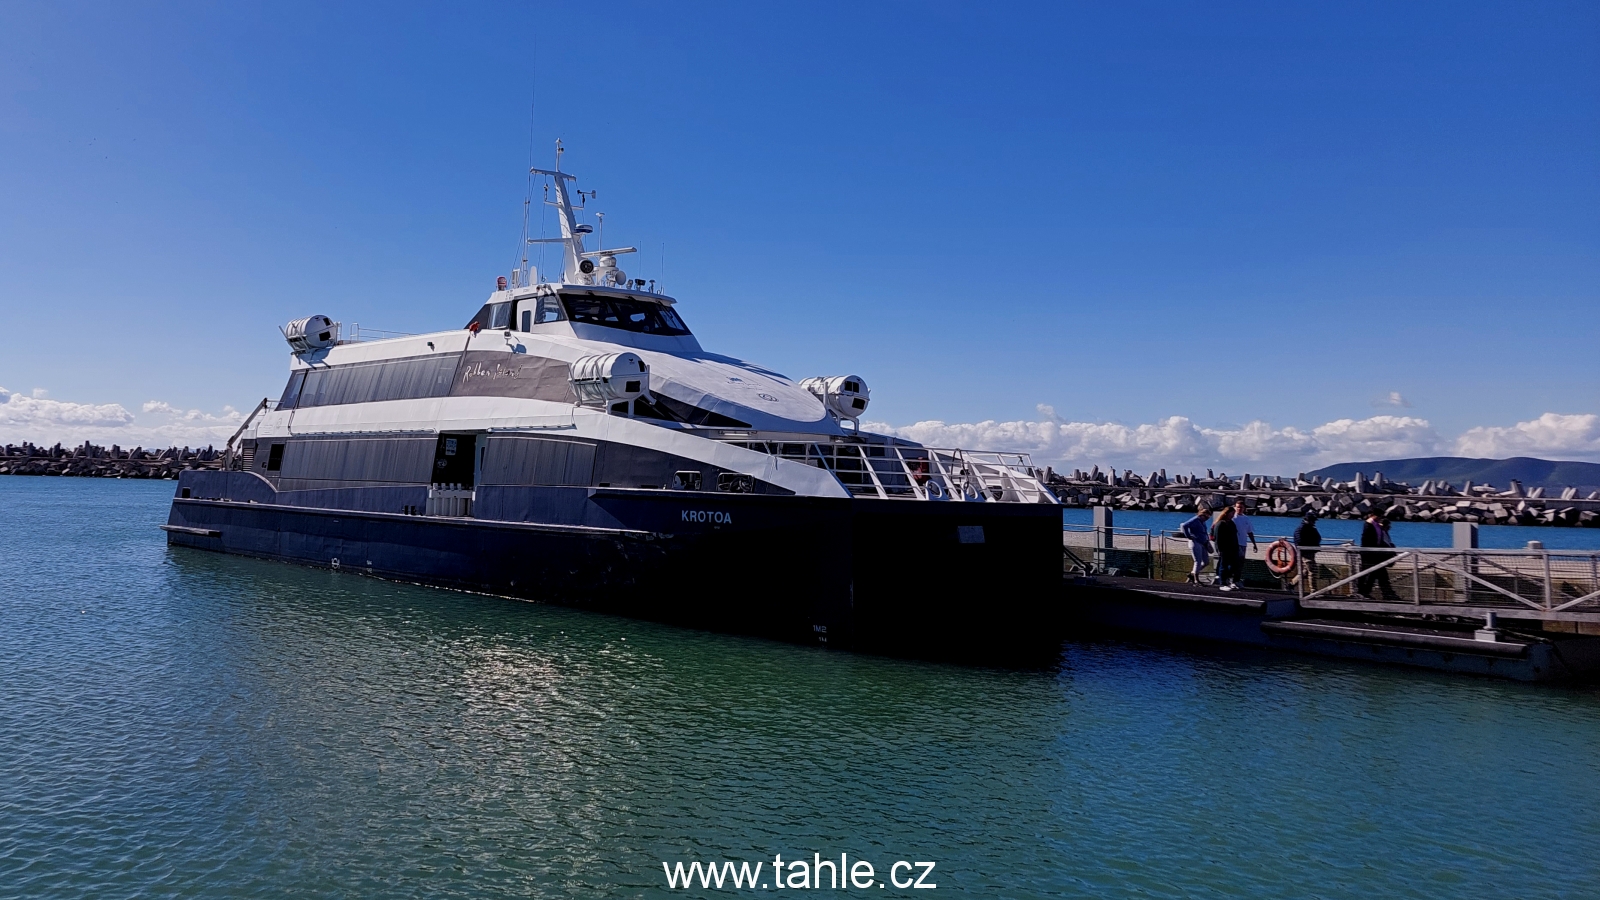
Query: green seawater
[175,723]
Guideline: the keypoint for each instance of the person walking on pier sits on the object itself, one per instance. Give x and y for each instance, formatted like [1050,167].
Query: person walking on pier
[1230,553]
[1375,533]
[1307,536]
[1199,542]
[1246,531]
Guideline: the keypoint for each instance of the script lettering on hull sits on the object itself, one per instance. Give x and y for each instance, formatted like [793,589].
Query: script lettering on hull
[485,373]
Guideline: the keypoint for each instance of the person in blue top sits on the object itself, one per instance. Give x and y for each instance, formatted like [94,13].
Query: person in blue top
[1198,531]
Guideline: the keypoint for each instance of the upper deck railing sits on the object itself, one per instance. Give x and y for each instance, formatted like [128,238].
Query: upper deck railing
[896,472]
[356,334]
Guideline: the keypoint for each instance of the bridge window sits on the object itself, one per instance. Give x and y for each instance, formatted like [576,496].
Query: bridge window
[625,313]
[492,315]
[541,311]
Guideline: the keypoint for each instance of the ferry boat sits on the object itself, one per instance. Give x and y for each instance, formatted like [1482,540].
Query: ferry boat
[573,443]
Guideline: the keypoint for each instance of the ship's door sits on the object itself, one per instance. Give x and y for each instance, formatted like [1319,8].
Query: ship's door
[455,459]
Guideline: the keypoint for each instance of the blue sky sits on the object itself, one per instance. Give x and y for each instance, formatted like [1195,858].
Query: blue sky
[1262,219]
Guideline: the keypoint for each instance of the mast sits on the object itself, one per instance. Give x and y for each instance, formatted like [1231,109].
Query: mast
[578,265]
[571,232]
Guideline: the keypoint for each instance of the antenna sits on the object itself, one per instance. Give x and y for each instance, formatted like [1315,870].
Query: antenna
[600,236]
[533,107]
[527,200]
[544,209]
[559,150]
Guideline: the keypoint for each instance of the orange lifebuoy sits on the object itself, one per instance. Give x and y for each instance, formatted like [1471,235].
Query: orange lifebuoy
[1282,557]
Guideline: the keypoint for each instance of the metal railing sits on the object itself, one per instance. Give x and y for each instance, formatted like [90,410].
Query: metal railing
[1553,585]
[228,453]
[1158,554]
[357,334]
[449,500]
[891,471]
[1091,550]
[1549,585]
[1099,538]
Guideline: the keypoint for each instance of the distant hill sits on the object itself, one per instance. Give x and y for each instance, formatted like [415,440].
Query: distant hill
[1456,469]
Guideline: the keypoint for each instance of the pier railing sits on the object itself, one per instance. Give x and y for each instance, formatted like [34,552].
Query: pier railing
[1552,585]
[1541,584]
[1091,550]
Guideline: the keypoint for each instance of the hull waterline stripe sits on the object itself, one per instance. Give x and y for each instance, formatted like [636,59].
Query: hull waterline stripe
[198,532]
[434,520]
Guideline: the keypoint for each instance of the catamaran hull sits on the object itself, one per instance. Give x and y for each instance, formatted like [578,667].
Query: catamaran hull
[978,580]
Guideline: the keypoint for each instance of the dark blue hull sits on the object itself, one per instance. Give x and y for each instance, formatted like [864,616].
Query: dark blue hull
[978,580]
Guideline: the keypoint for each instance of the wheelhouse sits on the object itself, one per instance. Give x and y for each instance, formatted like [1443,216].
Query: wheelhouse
[638,313]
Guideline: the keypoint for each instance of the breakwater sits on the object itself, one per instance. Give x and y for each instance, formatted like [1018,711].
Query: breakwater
[1431,501]
[93,461]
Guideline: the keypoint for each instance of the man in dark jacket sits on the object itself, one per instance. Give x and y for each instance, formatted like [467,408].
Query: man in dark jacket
[1230,556]
[1374,534]
[1307,536]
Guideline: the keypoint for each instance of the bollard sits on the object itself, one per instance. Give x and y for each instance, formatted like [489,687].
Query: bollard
[1490,631]
[1102,536]
[1464,536]
[1102,527]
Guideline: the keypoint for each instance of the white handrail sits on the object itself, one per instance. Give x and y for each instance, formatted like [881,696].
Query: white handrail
[1011,476]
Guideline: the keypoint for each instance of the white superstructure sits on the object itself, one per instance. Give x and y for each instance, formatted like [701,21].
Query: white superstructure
[600,357]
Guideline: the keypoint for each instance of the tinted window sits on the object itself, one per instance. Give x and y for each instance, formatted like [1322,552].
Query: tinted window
[670,316]
[311,394]
[540,311]
[397,379]
[678,411]
[626,313]
[492,315]
[500,315]
[291,391]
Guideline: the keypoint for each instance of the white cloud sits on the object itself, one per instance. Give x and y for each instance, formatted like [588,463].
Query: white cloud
[1550,435]
[230,416]
[1178,441]
[41,420]
[21,411]
[1393,398]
